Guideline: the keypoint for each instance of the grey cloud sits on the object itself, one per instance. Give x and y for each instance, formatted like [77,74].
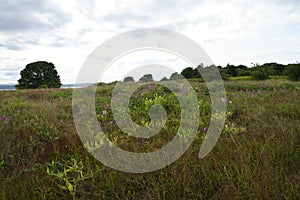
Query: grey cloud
[17,44]
[30,15]
[11,46]
[11,73]
[60,42]
[151,12]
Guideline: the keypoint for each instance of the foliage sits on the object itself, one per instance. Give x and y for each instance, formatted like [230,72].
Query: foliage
[146,78]
[231,70]
[164,79]
[189,72]
[175,76]
[128,79]
[260,73]
[274,69]
[39,74]
[71,175]
[293,72]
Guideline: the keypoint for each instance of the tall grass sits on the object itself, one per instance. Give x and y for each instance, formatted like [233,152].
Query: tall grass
[256,157]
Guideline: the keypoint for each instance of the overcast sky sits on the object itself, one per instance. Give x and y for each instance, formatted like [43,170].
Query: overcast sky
[66,32]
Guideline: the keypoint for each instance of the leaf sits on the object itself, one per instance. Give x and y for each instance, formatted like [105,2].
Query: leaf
[69,186]
[48,171]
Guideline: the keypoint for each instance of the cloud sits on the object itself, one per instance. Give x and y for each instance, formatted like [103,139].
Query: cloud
[31,15]
[65,32]
[17,44]
[10,73]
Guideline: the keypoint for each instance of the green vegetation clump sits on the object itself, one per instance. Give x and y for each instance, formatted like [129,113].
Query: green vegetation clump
[256,72]
[256,156]
[128,79]
[293,72]
[260,73]
[146,78]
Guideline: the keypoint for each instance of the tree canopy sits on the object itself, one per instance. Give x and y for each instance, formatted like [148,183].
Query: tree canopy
[146,78]
[189,72]
[293,72]
[128,79]
[175,76]
[40,74]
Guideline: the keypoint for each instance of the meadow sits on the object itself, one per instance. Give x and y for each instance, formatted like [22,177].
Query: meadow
[257,155]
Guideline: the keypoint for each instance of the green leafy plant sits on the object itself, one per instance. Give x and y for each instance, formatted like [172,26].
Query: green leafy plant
[70,174]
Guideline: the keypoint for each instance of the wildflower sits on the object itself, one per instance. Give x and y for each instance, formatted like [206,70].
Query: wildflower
[107,106]
[81,111]
[5,118]
[259,92]
[111,122]
[205,129]
[103,112]
[150,87]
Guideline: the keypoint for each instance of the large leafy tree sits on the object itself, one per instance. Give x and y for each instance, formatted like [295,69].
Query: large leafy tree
[39,74]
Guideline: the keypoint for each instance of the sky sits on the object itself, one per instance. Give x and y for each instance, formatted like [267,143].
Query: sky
[66,32]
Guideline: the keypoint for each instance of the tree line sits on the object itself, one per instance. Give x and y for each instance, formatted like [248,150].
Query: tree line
[257,72]
[42,74]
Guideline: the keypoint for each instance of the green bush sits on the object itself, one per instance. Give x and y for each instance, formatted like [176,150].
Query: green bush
[293,72]
[260,74]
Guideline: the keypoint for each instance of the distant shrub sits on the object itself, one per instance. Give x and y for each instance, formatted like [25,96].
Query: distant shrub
[293,72]
[164,79]
[128,79]
[260,74]
[146,78]
[176,76]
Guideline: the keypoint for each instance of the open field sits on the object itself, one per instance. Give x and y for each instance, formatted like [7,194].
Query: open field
[256,157]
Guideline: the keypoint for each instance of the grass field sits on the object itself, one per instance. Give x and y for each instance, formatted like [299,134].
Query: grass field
[257,155]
